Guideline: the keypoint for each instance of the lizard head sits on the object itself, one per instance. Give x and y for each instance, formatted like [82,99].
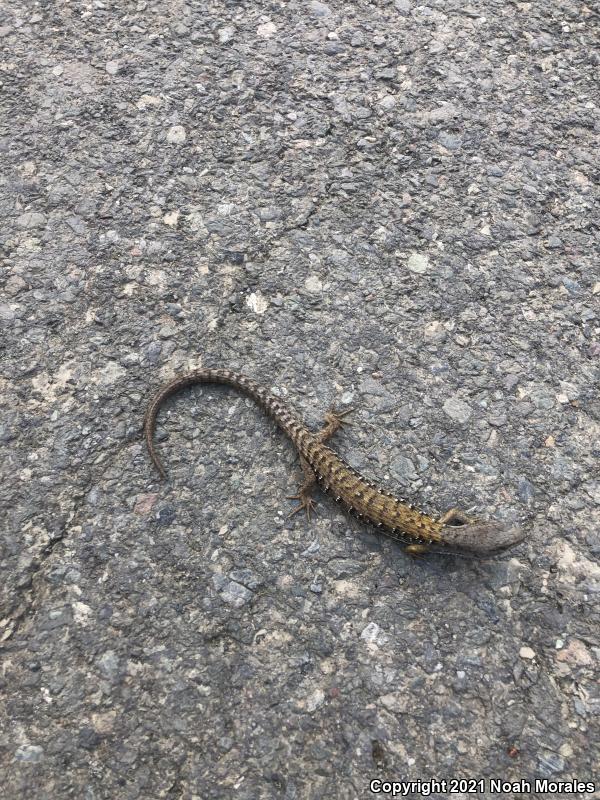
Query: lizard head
[479,536]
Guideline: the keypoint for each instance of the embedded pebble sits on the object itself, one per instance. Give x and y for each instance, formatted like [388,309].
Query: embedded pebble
[32,753]
[313,284]
[457,409]
[527,653]
[266,30]
[319,9]
[176,134]
[417,263]
[226,34]
[31,219]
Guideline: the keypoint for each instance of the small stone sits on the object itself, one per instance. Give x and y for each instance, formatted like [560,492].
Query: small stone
[313,701]
[171,218]
[402,7]
[333,48]
[575,653]
[226,34]
[145,503]
[319,9]
[418,263]
[449,141]
[108,664]
[88,738]
[395,701]
[388,102]
[153,352]
[457,409]
[541,398]
[563,468]
[104,722]
[312,548]
[527,653]
[6,313]
[176,134]
[594,349]
[593,490]
[112,67]
[435,330]
[110,373]
[147,100]
[31,219]
[550,764]
[313,284]
[403,469]
[257,302]
[246,577]
[266,30]
[570,390]
[573,287]
[526,491]
[373,635]
[233,593]
[29,752]
[14,285]
[268,213]
[76,224]
[166,516]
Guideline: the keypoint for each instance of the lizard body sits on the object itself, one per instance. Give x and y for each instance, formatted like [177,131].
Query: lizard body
[321,465]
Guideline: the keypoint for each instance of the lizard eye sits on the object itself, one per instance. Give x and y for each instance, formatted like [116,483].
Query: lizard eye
[456,523]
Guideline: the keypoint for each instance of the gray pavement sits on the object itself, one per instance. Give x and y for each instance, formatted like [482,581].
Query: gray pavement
[387,205]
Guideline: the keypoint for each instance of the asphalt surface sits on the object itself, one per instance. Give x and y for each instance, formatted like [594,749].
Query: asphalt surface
[385,205]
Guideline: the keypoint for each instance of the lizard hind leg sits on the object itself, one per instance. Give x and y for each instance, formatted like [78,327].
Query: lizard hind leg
[304,494]
[334,420]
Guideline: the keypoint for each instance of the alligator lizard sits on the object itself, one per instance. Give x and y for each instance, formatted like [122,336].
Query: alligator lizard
[394,516]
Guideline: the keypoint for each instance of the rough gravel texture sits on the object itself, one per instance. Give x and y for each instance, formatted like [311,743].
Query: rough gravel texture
[387,205]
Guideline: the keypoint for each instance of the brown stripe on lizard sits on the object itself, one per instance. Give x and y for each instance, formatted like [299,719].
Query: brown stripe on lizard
[393,516]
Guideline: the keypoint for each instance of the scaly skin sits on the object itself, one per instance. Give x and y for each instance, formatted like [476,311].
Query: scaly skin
[321,465]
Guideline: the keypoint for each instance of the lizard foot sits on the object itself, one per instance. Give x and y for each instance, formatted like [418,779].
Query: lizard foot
[338,418]
[306,503]
[334,420]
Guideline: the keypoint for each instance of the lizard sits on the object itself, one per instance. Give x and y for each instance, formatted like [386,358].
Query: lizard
[394,516]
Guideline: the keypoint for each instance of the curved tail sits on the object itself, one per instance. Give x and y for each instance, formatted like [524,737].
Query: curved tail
[285,419]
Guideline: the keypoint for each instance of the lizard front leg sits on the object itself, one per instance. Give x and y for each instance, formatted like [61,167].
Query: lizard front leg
[334,420]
